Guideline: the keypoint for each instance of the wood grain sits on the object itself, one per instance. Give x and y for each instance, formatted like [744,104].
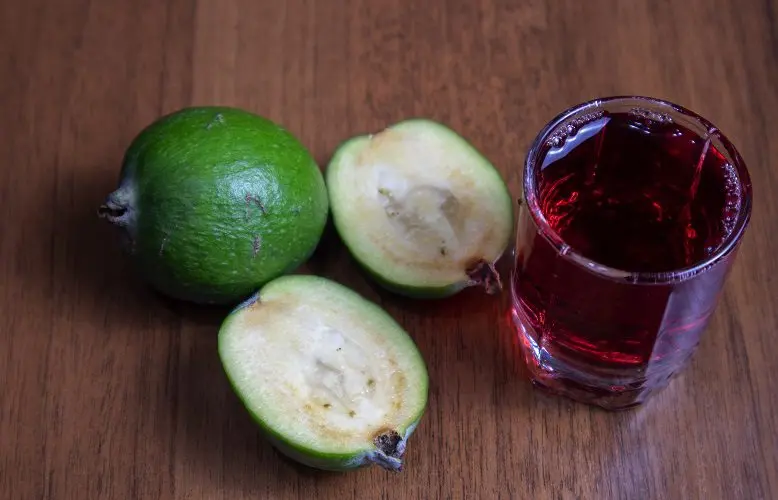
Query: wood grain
[108,391]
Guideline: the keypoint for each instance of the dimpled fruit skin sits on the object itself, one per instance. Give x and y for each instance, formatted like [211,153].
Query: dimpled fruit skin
[224,201]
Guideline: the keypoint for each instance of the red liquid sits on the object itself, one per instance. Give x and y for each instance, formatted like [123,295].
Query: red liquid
[633,194]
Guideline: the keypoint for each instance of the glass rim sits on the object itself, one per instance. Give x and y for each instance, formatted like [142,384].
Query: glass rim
[729,151]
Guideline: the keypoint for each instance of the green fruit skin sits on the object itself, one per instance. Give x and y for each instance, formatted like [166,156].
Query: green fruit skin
[334,462]
[324,461]
[410,291]
[221,201]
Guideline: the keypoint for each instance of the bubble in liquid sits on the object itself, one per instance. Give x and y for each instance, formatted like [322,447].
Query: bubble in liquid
[558,138]
[651,116]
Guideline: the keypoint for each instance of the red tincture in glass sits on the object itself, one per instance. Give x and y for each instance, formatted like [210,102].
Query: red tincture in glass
[637,193]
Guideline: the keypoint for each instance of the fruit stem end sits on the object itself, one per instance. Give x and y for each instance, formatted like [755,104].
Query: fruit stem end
[116,208]
[485,274]
[386,462]
[390,447]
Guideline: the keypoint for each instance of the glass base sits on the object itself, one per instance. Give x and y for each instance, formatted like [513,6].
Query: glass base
[608,388]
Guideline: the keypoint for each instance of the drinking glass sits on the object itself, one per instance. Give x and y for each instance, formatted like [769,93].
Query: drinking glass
[632,212]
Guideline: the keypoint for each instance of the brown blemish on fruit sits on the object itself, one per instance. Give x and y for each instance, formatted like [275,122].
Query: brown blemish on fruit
[352,414]
[218,118]
[386,137]
[462,179]
[400,380]
[250,198]
[375,143]
[255,245]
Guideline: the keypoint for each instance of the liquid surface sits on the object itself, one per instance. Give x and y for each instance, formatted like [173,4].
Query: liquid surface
[638,194]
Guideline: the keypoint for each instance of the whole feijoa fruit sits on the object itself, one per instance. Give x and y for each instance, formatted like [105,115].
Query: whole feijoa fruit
[332,380]
[213,202]
[421,209]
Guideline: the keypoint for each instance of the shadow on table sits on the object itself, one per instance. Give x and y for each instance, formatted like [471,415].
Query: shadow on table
[85,259]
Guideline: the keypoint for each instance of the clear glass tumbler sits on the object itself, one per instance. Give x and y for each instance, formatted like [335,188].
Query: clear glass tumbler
[633,209]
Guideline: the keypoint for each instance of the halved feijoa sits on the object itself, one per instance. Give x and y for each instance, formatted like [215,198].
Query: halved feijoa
[331,378]
[420,209]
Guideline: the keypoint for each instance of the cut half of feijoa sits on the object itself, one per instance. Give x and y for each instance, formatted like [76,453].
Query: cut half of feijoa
[423,211]
[332,380]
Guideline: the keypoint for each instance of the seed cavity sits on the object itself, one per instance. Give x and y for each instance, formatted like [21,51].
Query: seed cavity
[339,373]
[429,217]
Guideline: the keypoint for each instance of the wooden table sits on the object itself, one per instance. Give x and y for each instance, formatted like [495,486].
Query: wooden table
[110,392]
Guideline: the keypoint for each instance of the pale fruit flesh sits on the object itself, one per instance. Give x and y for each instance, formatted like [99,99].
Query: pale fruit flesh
[419,206]
[326,371]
